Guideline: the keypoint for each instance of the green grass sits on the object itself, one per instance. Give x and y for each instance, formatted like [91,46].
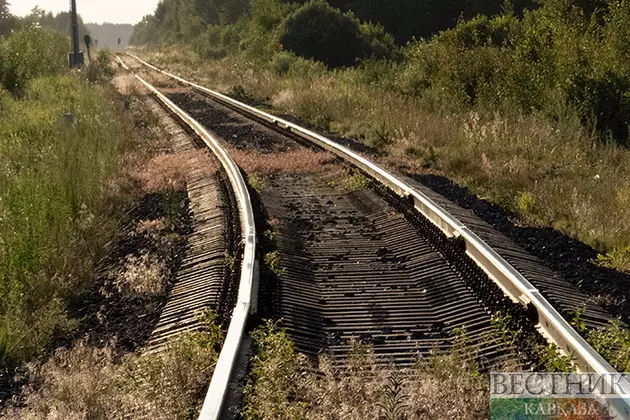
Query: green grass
[54,199]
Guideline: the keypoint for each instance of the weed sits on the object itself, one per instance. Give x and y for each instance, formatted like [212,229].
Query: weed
[613,343]
[382,136]
[230,261]
[276,373]
[576,319]
[272,260]
[356,181]
[4,346]
[142,276]
[553,360]
[547,356]
[393,406]
[238,92]
[255,182]
[270,235]
[300,161]
[88,382]
[618,258]
[525,202]
[51,194]
[101,69]
[430,158]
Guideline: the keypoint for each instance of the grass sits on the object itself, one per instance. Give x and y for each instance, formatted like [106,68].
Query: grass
[344,180]
[58,195]
[612,341]
[552,172]
[272,260]
[98,383]
[284,384]
[143,275]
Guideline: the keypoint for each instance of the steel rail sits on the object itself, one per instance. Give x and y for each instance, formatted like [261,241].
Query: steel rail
[550,322]
[246,303]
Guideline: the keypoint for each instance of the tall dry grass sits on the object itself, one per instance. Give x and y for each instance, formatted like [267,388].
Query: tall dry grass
[85,382]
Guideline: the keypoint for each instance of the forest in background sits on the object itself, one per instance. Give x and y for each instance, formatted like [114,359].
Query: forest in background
[562,51]
[105,35]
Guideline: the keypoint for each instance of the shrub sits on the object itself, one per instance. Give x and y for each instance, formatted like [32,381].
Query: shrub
[101,68]
[604,100]
[482,30]
[613,343]
[283,384]
[283,61]
[320,32]
[210,43]
[217,40]
[552,57]
[29,53]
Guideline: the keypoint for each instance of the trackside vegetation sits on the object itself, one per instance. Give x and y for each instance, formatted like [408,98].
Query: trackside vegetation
[526,108]
[92,218]
[284,384]
[59,144]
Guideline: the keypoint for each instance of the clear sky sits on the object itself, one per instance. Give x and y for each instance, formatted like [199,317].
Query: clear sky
[92,11]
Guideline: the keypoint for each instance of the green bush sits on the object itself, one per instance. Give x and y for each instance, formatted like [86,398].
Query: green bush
[100,69]
[283,61]
[482,30]
[322,33]
[29,53]
[218,40]
[550,60]
[604,100]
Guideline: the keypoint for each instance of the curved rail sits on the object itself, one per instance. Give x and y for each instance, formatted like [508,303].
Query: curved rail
[551,323]
[247,291]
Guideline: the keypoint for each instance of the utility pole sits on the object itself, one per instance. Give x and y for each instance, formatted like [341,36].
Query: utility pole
[75,59]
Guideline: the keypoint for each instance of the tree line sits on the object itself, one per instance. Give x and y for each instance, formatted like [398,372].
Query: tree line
[519,55]
[37,17]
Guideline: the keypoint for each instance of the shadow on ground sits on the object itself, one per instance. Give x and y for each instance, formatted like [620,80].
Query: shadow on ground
[570,258]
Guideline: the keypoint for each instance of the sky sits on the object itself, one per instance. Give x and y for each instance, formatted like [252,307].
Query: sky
[92,11]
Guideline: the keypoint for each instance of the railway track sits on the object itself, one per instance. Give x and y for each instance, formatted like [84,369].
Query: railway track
[380,262]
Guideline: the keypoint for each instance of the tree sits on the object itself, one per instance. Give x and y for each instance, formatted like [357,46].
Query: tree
[195,15]
[318,31]
[167,16]
[8,22]
[145,32]
[4,9]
